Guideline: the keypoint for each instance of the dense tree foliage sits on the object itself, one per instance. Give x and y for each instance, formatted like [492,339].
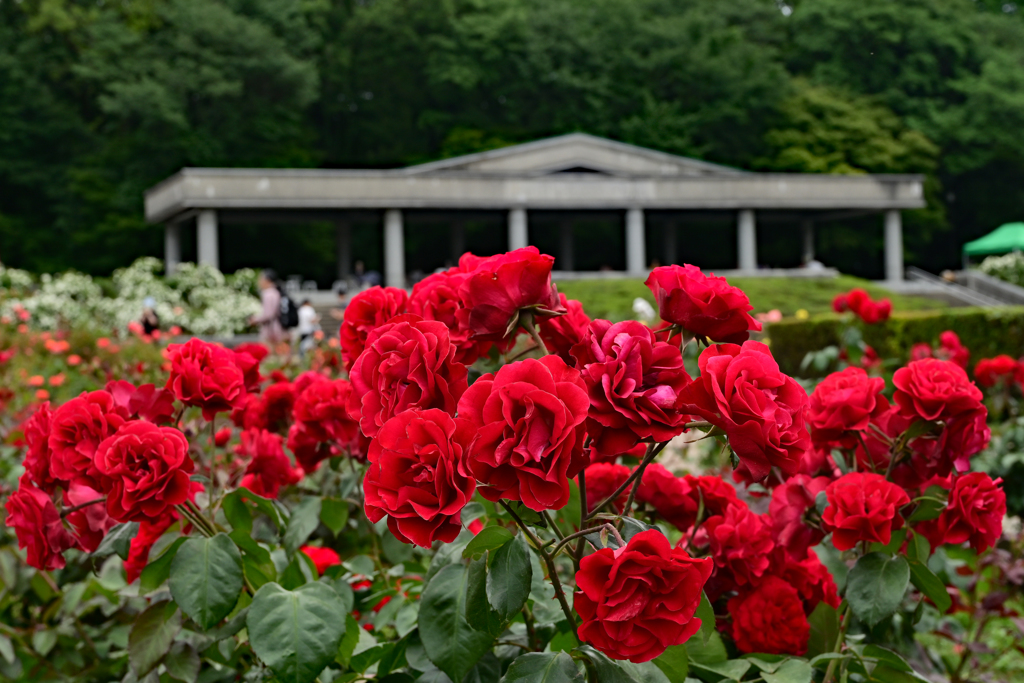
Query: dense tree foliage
[101,99]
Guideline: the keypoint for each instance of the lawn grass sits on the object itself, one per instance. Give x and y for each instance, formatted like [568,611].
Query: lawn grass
[613,299]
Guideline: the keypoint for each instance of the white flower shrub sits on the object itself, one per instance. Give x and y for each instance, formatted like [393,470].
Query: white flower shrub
[199,299]
[1008,267]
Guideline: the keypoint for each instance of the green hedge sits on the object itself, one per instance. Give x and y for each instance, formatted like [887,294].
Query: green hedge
[985,331]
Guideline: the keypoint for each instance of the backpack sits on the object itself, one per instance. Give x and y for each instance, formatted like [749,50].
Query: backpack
[289,314]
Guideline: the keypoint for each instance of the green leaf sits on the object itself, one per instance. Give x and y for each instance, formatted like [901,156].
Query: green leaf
[876,585]
[206,577]
[620,671]
[831,558]
[543,667]
[157,571]
[674,663]
[334,514]
[118,540]
[631,527]
[182,663]
[706,614]
[395,551]
[451,643]
[299,572]
[733,669]
[568,517]
[472,510]
[152,635]
[711,652]
[257,564]
[489,538]
[896,541]
[932,505]
[793,670]
[919,549]
[348,642]
[304,521]
[268,507]
[479,613]
[237,513]
[824,621]
[508,581]
[296,633]
[927,582]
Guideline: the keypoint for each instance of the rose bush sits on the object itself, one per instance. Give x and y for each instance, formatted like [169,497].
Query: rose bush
[483,484]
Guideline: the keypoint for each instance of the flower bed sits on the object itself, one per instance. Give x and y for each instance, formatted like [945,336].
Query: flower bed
[485,484]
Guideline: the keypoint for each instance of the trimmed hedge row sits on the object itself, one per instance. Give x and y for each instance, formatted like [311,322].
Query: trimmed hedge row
[985,331]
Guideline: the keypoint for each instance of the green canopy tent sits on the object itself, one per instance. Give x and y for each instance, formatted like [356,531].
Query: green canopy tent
[1002,240]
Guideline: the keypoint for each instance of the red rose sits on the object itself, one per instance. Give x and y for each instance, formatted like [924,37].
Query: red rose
[436,297]
[717,493]
[920,351]
[741,543]
[418,477]
[633,382]
[856,299]
[144,402]
[268,467]
[563,332]
[527,422]
[845,401]
[323,426]
[366,312]
[138,552]
[36,523]
[323,558]
[37,448]
[248,358]
[222,437]
[90,523]
[637,452]
[761,410]
[790,505]
[205,375]
[934,390]
[706,306]
[811,579]
[673,498]
[640,599]
[989,371]
[147,468]
[952,350]
[502,288]
[603,479]
[840,303]
[76,430]
[973,514]
[254,349]
[276,406]
[863,506]
[874,312]
[407,363]
[770,618]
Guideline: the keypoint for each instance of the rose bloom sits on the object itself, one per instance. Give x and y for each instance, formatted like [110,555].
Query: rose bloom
[934,390]
[633,382]
[562,332]
[146,471]
[501,288]
[365,312]
[138,552]
[603,479]
[640,599]
[791,503]
[268,468]
[843,402]
[761,410]
[770,618]
[706,306]
[741,542]
[37,450]
[321,418]
[717,493]
[205,375]
[90,523]
[672,497]
[276,405]
[862,506]
[418,477]
[406,363]
[436,297]
[974,513]
[76,430]
[36,523]
[323,558]
[990,371]
[527,422]
[811,579]
[952,350]
[144,402]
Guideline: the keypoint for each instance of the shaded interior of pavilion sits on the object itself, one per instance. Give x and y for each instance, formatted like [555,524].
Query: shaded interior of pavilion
[324,247]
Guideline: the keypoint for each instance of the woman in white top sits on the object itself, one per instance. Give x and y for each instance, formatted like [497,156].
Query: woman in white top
[308,325]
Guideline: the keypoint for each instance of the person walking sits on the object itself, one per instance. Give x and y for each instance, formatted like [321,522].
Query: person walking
[269,319]
[308,326]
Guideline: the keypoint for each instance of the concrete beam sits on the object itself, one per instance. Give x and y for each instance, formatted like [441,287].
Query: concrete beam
[807,232]
[636,257]
[172,247]
[394,249]
[518,234]
[565,259]
[746,240]
[893,246]
[207,239]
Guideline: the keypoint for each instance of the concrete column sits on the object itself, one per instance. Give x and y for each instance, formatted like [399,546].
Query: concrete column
[746,240]
[893,246]
[565,261]
[669,245]
[394,249]
[518,236]
[172,247]
[343,247]
[458,240]
[807,228]
[636,259]
[206,226]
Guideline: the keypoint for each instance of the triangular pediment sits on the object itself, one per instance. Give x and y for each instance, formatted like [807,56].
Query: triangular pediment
[576,153]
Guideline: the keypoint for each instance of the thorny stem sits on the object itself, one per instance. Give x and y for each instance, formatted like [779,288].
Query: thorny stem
[531,633]
[522,353]
[581,481]
[845,619]
[552,570]
[67,511]
[652,451]
[531,329]
[582,533]
[551,523]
